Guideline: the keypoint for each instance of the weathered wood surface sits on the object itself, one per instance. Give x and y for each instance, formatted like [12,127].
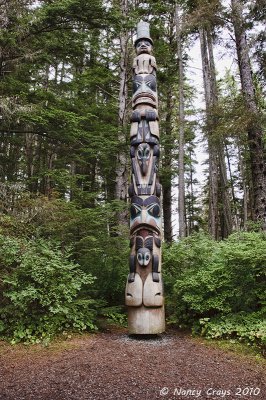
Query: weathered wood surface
[144,288]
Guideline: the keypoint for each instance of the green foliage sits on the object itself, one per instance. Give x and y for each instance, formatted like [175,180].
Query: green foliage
[44,292]
[115,315]
[249,328]
[102,254]
[182,259]
[59,141]
[56,112]
[211,280]
[92,233]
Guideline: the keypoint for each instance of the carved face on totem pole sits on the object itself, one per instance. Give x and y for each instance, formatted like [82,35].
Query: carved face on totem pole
[144,90]
[145,212]
[143,156]
[143,256]
[144,160]
[143,46]
[144,247]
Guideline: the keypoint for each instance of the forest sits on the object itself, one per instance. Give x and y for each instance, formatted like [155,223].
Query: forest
[65,106]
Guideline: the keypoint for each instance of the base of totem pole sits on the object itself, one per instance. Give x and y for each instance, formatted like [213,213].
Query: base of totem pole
[146,321]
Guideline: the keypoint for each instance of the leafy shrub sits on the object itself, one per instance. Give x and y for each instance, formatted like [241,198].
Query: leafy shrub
[210,280]
[41,291]
[92,233]
[250,328]
[115,315]
[187,279]
[102,254]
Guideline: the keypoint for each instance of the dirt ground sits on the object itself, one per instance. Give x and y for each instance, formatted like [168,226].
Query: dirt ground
[114,366]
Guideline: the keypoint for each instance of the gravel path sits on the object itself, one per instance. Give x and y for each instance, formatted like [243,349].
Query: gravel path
[109,366]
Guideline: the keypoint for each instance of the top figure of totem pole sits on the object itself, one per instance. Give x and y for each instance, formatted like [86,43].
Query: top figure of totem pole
[144,288]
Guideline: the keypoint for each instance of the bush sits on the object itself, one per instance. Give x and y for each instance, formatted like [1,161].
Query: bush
[103,254]
[249,328]
[115,315]
[100,247]
[210,280]
[42,291]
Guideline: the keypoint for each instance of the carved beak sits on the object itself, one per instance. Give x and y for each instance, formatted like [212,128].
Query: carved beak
[144,167]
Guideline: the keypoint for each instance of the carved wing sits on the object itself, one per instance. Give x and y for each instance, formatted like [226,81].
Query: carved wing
[139,242]
[148,243]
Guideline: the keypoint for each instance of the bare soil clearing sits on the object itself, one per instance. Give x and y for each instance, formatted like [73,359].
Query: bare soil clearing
[113,366]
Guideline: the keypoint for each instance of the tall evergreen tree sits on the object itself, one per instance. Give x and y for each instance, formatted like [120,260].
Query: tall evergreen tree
[255,132]
[181,161]
[122,159]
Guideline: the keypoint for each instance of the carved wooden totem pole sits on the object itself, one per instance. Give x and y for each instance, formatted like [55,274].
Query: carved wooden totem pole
[144,288]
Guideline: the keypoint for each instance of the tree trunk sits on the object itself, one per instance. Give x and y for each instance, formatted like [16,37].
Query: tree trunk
[121,166]
[167,165]
[245,191]
[181,166]
[213,163]
[226,215]
[255,132]
[191,203]
[220,218]
[236,223]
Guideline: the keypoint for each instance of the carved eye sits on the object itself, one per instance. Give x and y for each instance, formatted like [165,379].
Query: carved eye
[151,82]
[136,85]
[139,257]
[147,257]
[143,43]
[154,210]
[134,211]
[140,153]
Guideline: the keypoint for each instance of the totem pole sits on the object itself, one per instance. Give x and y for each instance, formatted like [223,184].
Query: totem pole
[144,288]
